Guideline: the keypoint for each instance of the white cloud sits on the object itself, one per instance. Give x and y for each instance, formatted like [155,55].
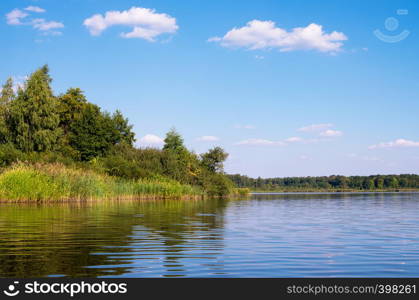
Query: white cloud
[52,33]
[151,140]
[364,157]
[146,23]
[238,126]
[331,133]
[315,127]
[399,143]
[261,142]
[304,157]
[43,25]
[208,138]
[19,82]
[14,17]
[35,9]
[265,35]
[371,158]
[294,139]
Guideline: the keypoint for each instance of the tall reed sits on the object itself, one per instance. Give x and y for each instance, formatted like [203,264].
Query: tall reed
[55,182]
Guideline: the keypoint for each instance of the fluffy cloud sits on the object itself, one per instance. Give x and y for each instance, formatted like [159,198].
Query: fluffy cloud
[238,126]
[265,35]
[331,133]
[146,23]
[151,140]
[18,82]
[14,17]
[261,142]
[319,129]
[19,17]
[35,9]
[364,157]
[315,127]
[208,138]
[323,128]
[294,139]
[399,143]
[43,25]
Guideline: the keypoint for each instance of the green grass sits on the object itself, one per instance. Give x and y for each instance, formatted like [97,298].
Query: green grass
[55,182]
[241,191]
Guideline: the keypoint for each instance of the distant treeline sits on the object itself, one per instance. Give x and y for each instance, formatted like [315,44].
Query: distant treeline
[335,182]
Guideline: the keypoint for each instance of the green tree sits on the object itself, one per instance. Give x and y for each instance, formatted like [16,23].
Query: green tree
[34,119]
[394,183]
[341,182]
[80,120]
[6,96]
[365,183]
[371,184]
[403,182]
[7,93]
[380,183]
[71,106]
[124,133]
[91,134]
[217,185]
[174,142]
[178,162]
[214,159]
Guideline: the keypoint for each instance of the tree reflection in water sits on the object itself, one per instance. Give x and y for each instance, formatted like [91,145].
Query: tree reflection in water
[107,239]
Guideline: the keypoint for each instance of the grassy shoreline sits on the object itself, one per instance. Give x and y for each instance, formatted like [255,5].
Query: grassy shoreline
[56,182]
[23,182]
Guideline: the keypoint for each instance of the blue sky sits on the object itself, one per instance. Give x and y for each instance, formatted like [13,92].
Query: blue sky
[250,76]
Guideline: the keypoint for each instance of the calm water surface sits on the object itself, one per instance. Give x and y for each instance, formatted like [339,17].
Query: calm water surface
[267,235]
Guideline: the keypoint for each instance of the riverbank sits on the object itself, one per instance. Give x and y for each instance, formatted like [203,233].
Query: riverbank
[58,183]
[55,182]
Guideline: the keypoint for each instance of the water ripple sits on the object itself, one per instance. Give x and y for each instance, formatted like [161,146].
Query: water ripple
[281,235]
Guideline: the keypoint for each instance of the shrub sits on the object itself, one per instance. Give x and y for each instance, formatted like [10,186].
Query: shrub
[9,154]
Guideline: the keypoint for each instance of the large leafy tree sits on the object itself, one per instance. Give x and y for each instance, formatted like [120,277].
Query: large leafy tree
[93,133]
[90,134]
[174,142]
[179,163]
[88,130]
[124,133]
[214,159]
[6,96]
[7,93]
[70,107]
[34,119]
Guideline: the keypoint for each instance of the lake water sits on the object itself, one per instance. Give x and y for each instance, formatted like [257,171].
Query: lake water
[266,235]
